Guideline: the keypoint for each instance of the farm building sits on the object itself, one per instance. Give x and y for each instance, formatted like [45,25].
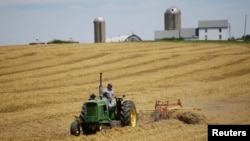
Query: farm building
[206,30]
[213,30]
[124,38]
[172,18]
[172,24]
[99,30]
[186,33]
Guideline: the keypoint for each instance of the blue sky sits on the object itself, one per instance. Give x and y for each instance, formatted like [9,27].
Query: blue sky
[23,21]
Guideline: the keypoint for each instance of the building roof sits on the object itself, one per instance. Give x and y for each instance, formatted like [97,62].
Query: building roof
[213,23]
[173,10]
[99,19]
[124,38]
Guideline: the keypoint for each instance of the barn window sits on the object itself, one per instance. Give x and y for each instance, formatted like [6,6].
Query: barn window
[220,37]
[220,30]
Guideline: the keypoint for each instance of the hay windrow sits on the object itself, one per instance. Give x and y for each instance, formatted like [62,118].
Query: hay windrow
[188,116]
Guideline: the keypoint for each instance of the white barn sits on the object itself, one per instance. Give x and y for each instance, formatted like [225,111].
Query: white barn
[124,38]
[213,30]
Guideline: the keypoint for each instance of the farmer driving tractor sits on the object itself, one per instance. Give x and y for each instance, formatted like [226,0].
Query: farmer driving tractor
[110,94]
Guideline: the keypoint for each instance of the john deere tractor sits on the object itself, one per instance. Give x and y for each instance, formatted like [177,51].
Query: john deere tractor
[96,113]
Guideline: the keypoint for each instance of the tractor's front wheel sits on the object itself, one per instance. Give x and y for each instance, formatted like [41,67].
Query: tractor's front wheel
[91,128]
[128,115]
[75,128]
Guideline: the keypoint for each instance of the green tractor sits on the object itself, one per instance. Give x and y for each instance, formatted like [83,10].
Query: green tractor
[96,113]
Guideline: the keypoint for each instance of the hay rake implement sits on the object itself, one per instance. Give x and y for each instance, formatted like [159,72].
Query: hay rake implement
[161,110]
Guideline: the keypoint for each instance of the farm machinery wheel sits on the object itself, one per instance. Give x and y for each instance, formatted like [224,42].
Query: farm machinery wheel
[75,128]
[83,113]
[91,128]
[88,128]
[128,115]
[159,116]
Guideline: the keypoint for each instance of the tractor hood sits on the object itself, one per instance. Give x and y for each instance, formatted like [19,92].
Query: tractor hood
[97,110]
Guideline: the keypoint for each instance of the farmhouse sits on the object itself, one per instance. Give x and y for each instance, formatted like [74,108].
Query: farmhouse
[213,30]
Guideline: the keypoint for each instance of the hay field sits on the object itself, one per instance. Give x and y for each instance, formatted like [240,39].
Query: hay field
[43,87]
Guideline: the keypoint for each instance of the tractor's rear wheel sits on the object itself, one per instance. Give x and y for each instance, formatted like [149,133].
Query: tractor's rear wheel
[75,128]
[128,115]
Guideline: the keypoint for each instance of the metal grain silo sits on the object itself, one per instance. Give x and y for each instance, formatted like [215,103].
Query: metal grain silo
[99,29]
[172,18]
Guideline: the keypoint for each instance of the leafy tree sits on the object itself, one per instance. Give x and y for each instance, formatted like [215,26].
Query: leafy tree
[57,41]
[246,38]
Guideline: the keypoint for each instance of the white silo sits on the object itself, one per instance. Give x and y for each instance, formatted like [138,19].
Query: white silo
[99,30]
[172,18]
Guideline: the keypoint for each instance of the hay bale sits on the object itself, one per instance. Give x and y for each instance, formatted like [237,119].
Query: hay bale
[188,116]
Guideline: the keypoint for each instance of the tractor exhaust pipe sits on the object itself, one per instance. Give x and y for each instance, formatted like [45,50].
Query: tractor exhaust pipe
[100,86]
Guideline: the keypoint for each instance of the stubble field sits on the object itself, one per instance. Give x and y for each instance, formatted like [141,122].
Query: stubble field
[43,87]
